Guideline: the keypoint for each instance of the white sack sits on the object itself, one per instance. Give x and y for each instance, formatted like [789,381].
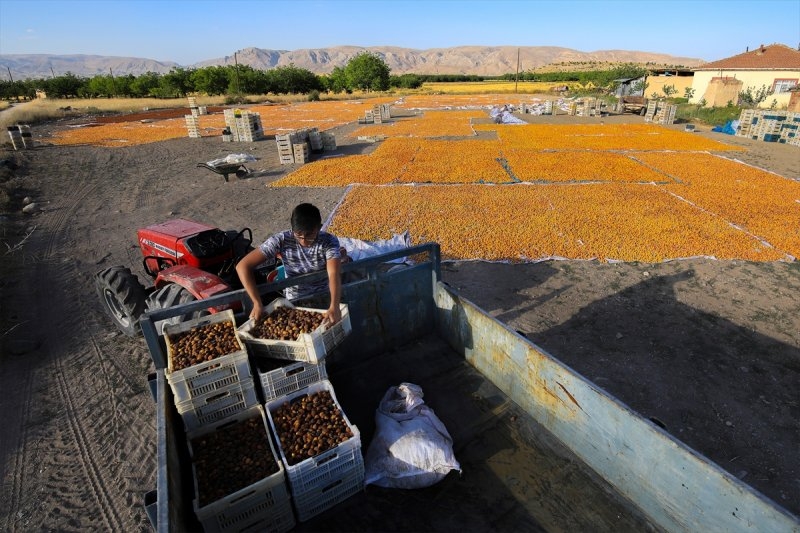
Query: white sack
[232,159]
[411,448]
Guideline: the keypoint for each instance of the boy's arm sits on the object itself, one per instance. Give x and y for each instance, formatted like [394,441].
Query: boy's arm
[245,268]
[333,266]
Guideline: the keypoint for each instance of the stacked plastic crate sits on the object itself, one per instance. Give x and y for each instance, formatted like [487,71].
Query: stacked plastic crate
[746,120]
[665,114]
[328,141]
[285,151]
[257,497]
[193,126]
[790,130]
[211,380]
[208,386]
[770,126]
[767,127]
[292,372]
[315,140]
[301,152]
[245,126]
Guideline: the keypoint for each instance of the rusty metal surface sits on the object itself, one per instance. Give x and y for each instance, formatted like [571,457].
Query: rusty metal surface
[677,488]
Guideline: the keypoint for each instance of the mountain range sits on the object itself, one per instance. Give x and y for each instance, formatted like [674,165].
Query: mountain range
[477,60]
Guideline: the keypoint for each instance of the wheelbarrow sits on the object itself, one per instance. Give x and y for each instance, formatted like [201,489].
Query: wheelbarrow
[225,169]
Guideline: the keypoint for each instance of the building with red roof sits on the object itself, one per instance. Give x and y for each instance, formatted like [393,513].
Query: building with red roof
[774,68]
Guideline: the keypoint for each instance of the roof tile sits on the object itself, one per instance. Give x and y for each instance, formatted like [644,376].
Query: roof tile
[774,56]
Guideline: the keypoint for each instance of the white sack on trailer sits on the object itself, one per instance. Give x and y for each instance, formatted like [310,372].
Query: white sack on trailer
[411,448]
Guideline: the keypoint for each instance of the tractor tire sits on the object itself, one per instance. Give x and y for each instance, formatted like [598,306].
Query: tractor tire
[170,296]
[123,297]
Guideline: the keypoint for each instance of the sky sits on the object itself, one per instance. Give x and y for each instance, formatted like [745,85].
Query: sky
[190,31]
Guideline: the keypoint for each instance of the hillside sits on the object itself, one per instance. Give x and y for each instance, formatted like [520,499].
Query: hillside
[477,60]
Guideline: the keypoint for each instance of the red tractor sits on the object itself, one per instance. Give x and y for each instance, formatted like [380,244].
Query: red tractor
[187,260]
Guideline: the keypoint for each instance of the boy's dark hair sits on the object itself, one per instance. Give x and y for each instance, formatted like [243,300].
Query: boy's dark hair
[306,217]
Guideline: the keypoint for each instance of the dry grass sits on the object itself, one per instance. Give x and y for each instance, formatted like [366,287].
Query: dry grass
[45,109]
[485,87]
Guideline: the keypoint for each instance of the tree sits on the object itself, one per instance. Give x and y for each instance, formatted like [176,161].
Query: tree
[368,72]
[145,85]
[68,85]
[337,81]
[639,87]
[688,93]
[751,98]
[212,80]
[176,83]
[293,80]
[669,90]
[97,86]
[406,81]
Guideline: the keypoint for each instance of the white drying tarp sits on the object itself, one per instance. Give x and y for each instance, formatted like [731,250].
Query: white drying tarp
[358,249]
[503,115]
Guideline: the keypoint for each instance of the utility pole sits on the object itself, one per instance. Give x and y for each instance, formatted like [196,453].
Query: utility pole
[236,61]
[9,74]
[516,79]
[113,83]
[52,71]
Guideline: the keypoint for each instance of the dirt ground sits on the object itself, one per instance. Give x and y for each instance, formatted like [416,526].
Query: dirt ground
[709,350]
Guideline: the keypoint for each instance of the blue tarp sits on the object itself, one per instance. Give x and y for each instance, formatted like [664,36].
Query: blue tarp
[729,127]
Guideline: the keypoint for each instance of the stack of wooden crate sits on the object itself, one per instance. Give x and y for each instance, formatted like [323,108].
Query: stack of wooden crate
[195,111]
[745,122]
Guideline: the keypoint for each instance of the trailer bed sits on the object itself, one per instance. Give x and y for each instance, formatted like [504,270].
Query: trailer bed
[541,447]
[515,476]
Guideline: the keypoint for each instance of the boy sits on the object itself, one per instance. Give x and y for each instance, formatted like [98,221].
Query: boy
[303,249]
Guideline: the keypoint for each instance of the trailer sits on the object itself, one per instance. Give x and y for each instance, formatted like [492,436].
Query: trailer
[633,104]
[541,448]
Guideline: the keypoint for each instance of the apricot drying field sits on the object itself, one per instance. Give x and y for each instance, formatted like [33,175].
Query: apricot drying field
[707,348]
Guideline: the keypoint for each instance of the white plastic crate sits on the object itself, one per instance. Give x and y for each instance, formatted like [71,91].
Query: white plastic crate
[310,347]
[315,472]
[262,506]
[183,327]
[200,379]
[290,378]
[218,405]
[322,498]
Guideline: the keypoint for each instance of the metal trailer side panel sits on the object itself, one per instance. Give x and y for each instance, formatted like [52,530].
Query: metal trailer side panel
[673,485]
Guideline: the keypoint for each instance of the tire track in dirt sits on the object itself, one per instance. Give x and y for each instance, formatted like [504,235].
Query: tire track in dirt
[108,513]
[22,391]
[23,397]
[90,465]
[73,416]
